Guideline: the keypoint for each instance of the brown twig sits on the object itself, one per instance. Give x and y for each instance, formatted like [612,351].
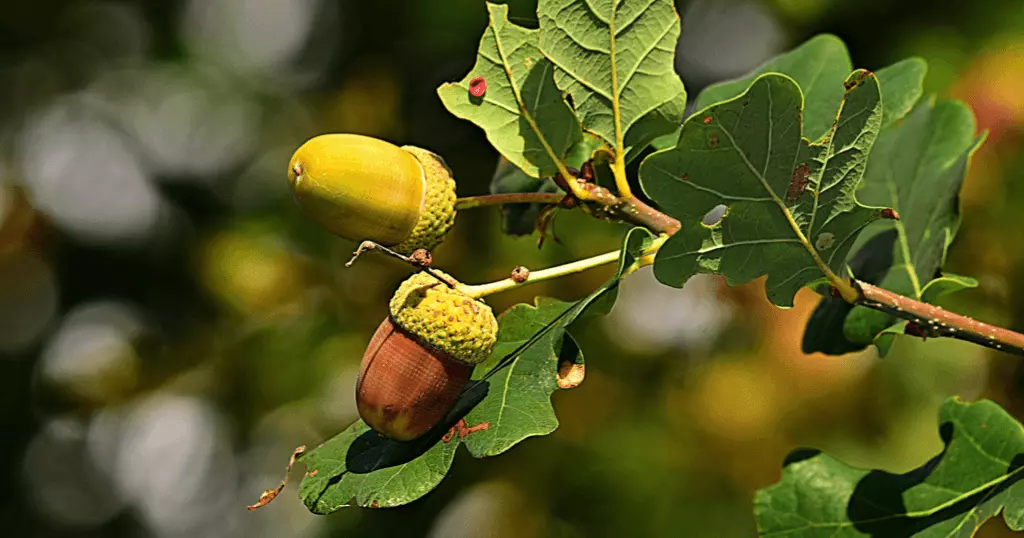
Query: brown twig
[936,321]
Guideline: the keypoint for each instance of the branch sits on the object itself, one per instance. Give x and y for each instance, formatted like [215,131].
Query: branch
[935,321]
[925,319]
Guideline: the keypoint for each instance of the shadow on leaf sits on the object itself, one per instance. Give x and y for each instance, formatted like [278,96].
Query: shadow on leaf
[824,331]
[877,506]
[371,451]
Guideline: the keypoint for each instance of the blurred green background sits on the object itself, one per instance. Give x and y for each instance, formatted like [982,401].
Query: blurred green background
[171,327]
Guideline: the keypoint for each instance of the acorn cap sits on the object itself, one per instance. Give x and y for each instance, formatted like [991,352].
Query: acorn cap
[362,188]
[405,388]
[445,318]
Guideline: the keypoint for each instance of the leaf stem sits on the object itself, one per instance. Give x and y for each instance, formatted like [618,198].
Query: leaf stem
[619,171]
[483,290]
[471,202]
[935,321]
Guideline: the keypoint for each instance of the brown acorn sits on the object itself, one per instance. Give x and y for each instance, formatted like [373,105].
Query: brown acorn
[421,357]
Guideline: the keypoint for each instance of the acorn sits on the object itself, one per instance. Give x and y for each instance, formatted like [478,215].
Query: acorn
[362,188]
[422,355]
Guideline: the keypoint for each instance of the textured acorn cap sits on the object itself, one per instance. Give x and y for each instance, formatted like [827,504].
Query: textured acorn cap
[362,188]
[445,318]
[438,213]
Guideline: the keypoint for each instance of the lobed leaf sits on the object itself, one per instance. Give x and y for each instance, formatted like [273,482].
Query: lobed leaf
[525,117]
[508,401]
[917,168]
[616,59]
[976,476]
[791,204]
[819,66]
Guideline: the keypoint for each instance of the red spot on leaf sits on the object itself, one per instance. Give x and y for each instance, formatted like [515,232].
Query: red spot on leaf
[686,177]
[478,86]
[707,120]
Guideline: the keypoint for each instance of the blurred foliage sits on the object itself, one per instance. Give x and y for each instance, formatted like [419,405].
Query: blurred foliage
[171,327]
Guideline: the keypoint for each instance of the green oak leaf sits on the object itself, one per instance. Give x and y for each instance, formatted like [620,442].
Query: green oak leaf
[819,66]
[789,201]
[361,467]
[917,168]
[616,60]
[510,394]
[518,404]
[902,86]
[976,476]
[525,116]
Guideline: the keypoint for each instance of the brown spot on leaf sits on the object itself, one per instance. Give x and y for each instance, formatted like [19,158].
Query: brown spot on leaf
[375,504]
[713,141]
[312,473]
[798,182]
[686,177]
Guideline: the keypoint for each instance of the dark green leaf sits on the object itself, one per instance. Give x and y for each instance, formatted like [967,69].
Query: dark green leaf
[360,467]
[789,201]
[917,168]
[518,404]
[820,66]
[616,60]
[971,480]
[525,116]
[902,85]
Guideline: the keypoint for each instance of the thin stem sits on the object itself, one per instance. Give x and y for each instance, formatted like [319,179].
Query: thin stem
[935,321]
[411,260]
[483,290]
[511,198]
[644,259]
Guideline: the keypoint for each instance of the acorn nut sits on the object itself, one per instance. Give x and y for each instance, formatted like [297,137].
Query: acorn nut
[421,356]
[362,188]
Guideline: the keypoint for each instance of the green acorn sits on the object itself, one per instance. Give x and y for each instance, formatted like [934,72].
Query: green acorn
[421,356]
[362,188]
